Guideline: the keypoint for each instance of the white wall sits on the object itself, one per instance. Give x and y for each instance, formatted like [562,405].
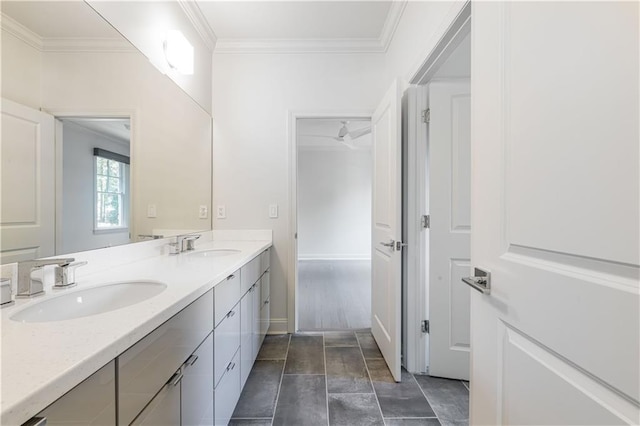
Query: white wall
[253,97]
[334,203]
[78,190]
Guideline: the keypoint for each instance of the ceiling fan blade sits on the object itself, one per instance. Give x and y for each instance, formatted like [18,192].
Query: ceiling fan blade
[320,136]
[355,134]
[347,144]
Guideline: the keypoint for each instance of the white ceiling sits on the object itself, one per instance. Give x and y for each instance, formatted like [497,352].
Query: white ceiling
[296,20]
[116,128]
[60,19]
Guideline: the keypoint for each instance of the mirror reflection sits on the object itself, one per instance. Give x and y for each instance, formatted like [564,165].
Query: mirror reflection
[98,147]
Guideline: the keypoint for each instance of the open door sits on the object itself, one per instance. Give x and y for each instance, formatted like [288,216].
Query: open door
[555,332]
[450,227]
[386,257]
[27,227]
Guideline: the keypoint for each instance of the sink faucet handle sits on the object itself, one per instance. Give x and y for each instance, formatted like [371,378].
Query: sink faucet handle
[66,275]
[30,286]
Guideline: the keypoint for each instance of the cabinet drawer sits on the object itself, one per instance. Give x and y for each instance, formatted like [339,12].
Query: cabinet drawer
[250,273]
[265,286]
[197,386]
[226,341]
[265,318]
[92,402]
[246,340]
[228,392]
[163,410]
[227,295]
[265,260]
[146,366]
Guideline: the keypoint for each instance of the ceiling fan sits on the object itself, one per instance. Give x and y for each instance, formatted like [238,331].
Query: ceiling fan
[345,136]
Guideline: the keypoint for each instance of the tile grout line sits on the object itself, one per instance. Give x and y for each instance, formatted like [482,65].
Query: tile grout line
[425,397]
[326,381]
[366,366]
[284,364]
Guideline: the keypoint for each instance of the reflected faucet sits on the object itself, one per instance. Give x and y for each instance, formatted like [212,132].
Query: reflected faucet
[183,243]
[29,286]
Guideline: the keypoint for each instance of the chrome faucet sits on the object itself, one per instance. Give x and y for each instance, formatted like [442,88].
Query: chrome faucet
[183,243]
[29,286]
[66,275]
[5,293]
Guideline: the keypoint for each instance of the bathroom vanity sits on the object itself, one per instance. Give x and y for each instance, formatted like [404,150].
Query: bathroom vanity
[179,357]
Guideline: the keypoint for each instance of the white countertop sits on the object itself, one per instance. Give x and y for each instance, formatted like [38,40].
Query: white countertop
[41,361]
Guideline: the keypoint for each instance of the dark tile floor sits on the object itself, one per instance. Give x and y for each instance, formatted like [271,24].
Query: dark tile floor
[340,378]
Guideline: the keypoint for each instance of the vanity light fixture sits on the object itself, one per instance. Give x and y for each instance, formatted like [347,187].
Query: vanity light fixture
[178,52]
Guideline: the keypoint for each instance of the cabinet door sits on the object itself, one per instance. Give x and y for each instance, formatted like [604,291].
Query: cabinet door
[265,316]
[92,402]
[228,391]
[246,340]
[197,386]
[164,408]
[227,341]
[255,325]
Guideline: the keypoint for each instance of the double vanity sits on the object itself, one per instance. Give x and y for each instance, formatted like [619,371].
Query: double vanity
[145,338]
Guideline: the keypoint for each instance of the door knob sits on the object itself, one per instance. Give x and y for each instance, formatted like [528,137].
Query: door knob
[480,281]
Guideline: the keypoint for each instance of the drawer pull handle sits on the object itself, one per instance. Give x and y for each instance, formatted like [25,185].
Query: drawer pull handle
[192,359]
[230,277]
[231,366]
[231,313]
[175,379]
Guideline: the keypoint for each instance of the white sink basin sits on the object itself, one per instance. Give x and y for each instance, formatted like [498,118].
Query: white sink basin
[92,301]
[213,253]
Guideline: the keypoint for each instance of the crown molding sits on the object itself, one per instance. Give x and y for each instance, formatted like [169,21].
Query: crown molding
[87,45]
[63,44]
[21,32]
[301,46]
[199,22]
[391,23]
[229,46]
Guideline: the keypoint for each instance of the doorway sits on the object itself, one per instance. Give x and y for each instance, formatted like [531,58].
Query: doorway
[334,172]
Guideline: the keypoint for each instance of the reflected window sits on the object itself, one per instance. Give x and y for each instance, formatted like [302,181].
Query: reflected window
[111,199]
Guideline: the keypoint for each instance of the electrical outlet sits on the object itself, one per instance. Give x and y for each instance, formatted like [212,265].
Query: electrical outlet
[273,211]
[151,210]
[221,212]
[203,212]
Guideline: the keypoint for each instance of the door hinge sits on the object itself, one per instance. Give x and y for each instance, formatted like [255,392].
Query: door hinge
[425,222]
[425,326]
[426,115]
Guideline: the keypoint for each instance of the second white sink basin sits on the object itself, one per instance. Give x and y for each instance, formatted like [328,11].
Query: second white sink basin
[92,301]
[213,253]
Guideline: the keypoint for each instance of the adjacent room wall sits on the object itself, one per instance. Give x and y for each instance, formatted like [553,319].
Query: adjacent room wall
[334,203]
[78,189]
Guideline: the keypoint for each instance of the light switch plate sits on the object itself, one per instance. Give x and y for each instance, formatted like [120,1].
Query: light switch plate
[203,212]
[151,210]
[273,211]
[221,212]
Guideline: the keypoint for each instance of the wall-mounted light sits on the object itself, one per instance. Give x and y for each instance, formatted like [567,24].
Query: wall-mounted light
[178,52]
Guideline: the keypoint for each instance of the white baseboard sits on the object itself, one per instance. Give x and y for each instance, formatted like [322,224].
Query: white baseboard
[278,326]
[334,256]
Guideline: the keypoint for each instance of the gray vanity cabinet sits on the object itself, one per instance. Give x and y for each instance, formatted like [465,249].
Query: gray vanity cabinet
[92,402]
[164,409]
[148,366]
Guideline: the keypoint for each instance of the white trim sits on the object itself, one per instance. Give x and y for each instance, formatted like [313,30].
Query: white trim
[199,22]
[289,46]
[454,28]
[63,44]
[292,264]
[324,45]
[278,326]
[391,24]
[415,343]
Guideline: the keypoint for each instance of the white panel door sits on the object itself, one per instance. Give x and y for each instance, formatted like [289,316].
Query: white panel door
[449,234]
[386,258]
[27,215]
[555,213]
